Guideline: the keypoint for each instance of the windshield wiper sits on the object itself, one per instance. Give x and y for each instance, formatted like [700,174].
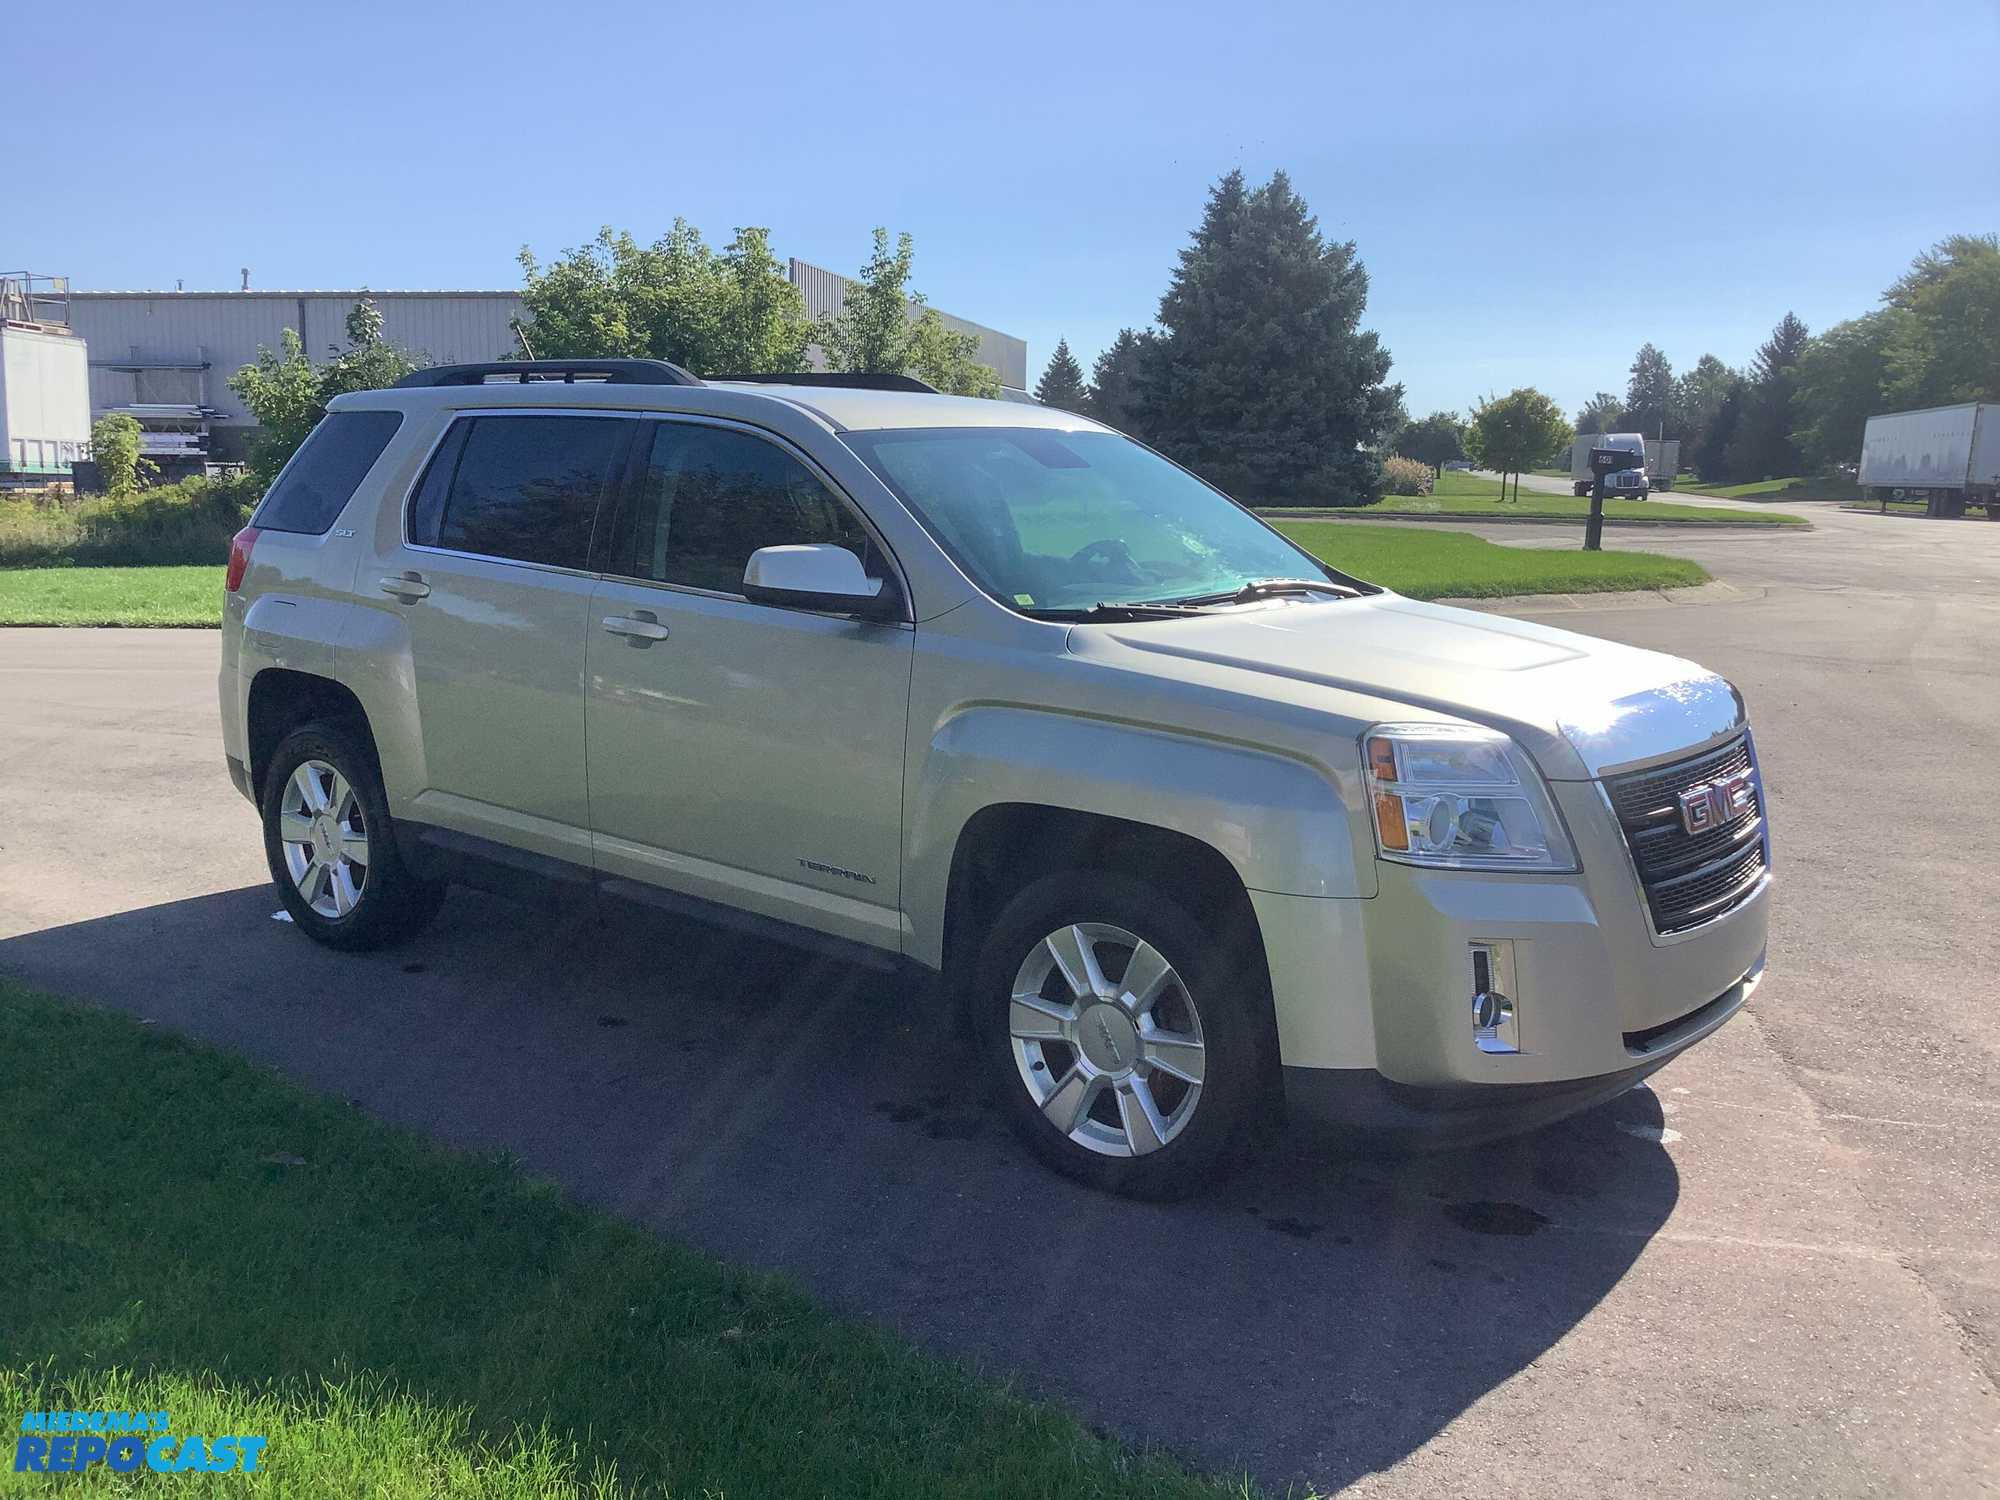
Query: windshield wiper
[1267,588]
[1142,610]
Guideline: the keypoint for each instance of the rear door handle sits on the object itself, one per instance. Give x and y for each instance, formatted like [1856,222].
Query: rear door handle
[640,627]
[409,587]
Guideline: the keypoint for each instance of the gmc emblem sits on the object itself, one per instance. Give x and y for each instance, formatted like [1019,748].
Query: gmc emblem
[1703,807]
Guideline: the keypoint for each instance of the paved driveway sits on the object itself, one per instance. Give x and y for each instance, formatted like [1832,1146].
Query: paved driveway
[1774,1272]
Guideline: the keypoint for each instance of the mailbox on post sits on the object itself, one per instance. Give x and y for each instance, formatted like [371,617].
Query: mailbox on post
[1603,461]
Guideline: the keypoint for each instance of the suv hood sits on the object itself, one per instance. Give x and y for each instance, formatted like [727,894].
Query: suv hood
[1579,705]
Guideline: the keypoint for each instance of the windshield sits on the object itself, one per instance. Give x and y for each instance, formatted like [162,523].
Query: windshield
[1064,520]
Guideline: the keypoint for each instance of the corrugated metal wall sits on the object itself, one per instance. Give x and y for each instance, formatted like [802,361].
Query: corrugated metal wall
[226,328]
[825,292]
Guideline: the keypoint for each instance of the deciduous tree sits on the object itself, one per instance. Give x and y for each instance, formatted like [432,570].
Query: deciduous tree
[1698,395]
[114,448]
[675,299]
[1945,345]
[1514,432]
[1711,453]
[1841,377]
[287,393]
[1600,413]
[1437,439]
[884,328]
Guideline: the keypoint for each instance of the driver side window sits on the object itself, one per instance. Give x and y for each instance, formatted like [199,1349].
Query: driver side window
[708,497]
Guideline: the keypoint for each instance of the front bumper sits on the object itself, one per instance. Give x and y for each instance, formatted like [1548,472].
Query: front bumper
[1362,1100]
[1374,995]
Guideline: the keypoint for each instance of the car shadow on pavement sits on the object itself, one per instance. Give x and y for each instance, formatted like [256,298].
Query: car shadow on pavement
[1314,1319]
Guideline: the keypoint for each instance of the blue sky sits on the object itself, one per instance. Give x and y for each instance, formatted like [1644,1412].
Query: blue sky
[1050,160]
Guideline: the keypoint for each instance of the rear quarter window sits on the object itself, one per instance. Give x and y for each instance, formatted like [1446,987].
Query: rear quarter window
[328,468]
[524,487]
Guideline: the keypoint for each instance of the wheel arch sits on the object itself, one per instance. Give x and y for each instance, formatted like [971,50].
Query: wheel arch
[1005,845]
[281,700]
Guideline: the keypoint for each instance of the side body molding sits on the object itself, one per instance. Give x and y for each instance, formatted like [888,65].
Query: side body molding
[1281,822]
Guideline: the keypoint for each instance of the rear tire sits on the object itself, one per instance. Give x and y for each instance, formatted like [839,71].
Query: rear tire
[331,844]
[1121,1037]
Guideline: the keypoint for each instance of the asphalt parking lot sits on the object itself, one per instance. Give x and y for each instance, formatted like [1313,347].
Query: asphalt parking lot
[1776,1271]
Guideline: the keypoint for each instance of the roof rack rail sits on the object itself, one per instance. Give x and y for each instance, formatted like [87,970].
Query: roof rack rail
[567,371]
[855,380]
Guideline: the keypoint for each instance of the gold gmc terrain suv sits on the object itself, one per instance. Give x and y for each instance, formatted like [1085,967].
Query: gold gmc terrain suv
[1188,826]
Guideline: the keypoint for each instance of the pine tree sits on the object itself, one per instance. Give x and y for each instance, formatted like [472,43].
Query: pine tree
[1763,446]
[1115,379]
[1264,382]
[1061,385]
[1648,392]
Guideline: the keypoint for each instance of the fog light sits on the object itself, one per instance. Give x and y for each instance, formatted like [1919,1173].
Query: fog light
[1496,1023]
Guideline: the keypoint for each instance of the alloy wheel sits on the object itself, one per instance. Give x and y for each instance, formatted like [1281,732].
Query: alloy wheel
[325,839]
[1107,1039]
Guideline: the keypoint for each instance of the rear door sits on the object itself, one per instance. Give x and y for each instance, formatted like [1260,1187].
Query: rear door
[742,753]
[493,581]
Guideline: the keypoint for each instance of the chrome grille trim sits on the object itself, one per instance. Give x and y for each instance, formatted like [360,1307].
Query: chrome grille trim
[1688,878]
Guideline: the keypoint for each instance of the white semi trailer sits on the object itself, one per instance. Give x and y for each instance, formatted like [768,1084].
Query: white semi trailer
[44,383]
[1946,456]
[1663,461]
[44,405]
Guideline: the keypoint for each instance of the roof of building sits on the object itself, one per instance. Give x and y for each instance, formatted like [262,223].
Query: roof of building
[353,292]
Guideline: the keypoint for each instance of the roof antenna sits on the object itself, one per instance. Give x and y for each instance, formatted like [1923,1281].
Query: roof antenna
[246,278]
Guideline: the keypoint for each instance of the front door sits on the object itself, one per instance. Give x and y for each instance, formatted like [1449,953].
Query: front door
[493,584]
[743,753]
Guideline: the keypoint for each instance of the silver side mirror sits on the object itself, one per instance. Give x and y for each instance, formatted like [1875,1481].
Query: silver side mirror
[817,576]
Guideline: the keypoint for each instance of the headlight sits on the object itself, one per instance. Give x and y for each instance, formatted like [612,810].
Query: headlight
[1461,798]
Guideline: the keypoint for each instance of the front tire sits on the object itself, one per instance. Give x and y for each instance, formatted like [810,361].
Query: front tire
[331,844]
[1121,1036]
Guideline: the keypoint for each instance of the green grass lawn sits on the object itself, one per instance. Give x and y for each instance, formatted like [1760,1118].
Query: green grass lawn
[1412,560]
[183,1231]
[1435,564]
[1764,491]
[1461,494]
[111,596]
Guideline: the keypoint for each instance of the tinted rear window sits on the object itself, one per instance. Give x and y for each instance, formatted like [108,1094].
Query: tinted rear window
[525,487]
[330,465]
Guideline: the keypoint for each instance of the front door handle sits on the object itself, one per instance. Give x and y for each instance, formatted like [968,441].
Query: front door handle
[409,587]
[640,628]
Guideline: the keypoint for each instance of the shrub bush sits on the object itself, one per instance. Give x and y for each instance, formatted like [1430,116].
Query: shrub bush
[187,522]
[1405,476]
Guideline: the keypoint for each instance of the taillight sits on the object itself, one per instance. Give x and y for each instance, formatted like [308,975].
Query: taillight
[239,558]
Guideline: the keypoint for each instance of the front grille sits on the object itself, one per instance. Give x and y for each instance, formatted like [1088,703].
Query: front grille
[1689,878]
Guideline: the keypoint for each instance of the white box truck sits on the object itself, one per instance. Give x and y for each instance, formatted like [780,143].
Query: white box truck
[44,404]
[1946,456]
[1626,484]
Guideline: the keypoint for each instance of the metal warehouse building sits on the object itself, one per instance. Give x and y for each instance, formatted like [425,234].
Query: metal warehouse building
[166,357]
